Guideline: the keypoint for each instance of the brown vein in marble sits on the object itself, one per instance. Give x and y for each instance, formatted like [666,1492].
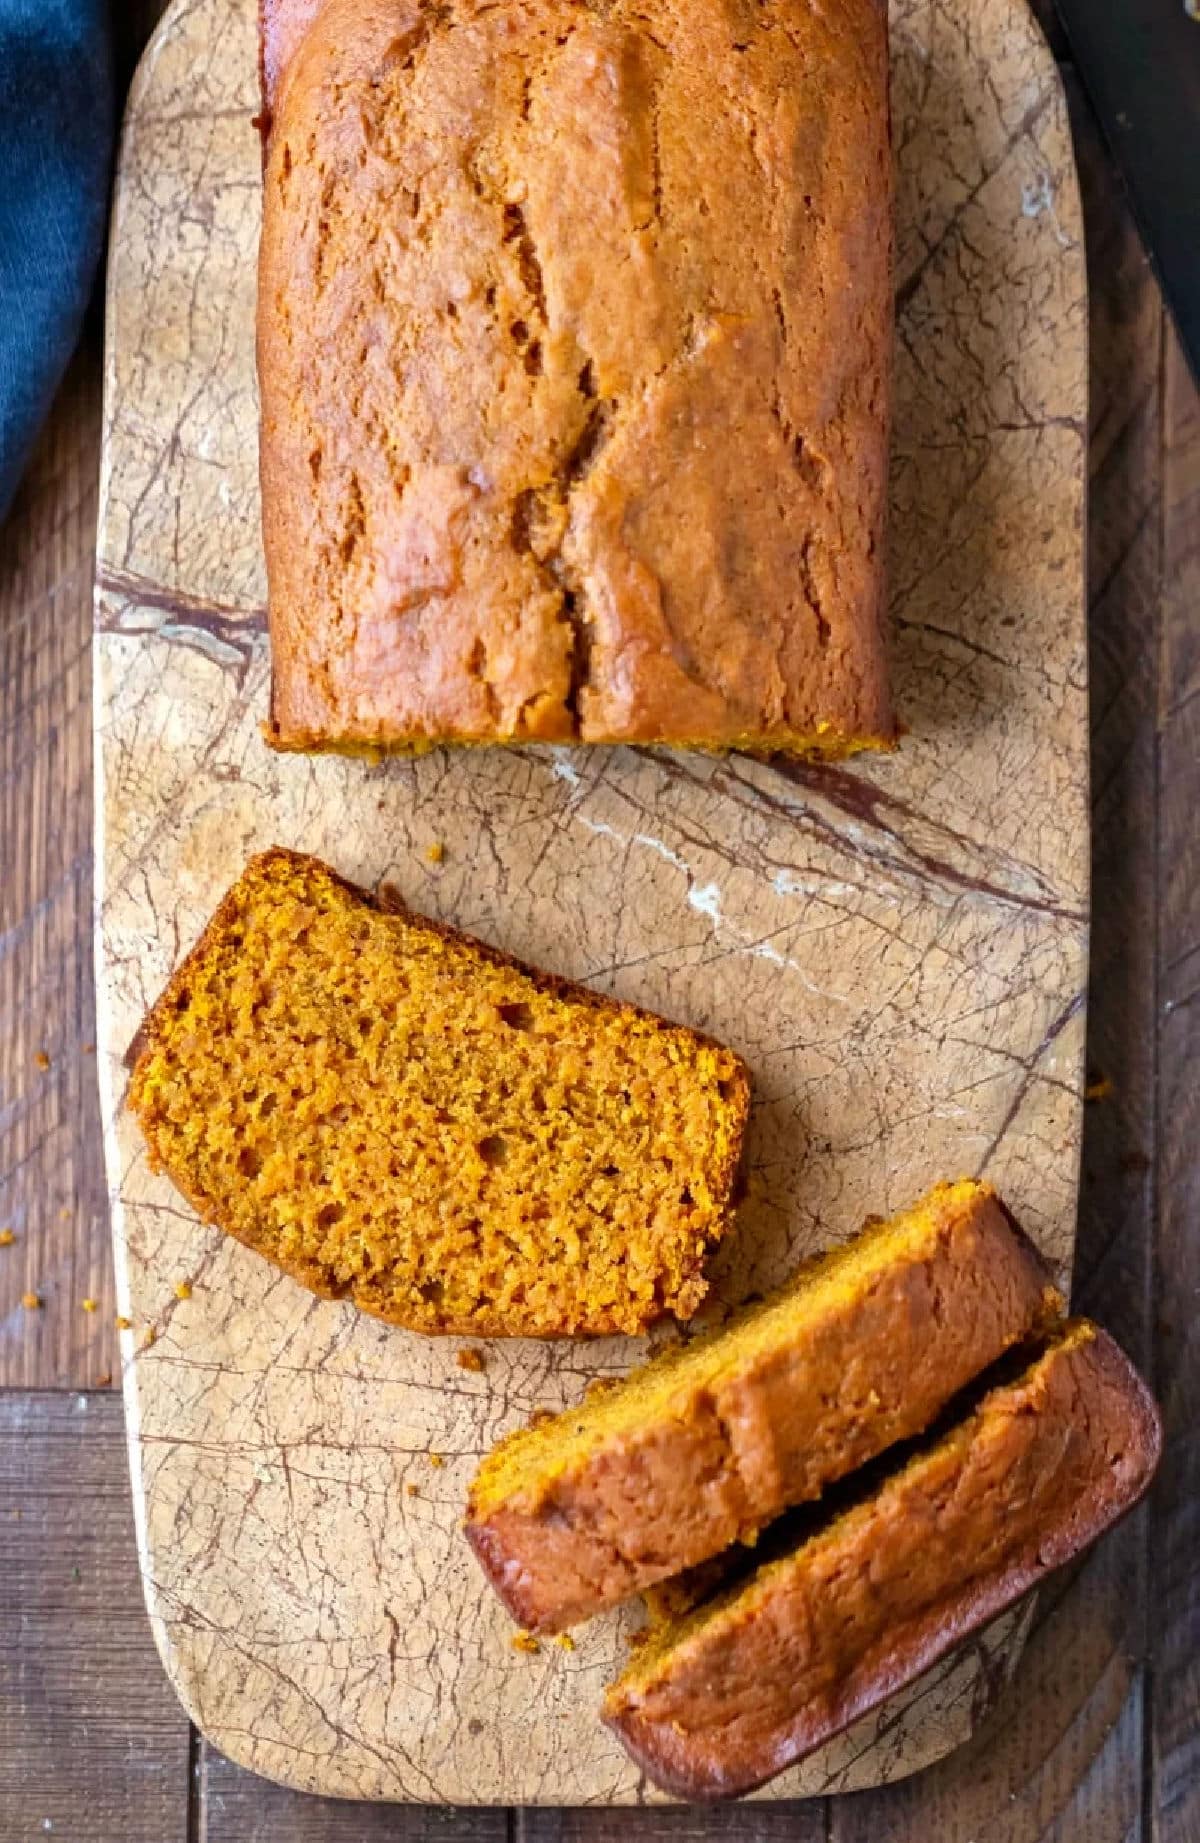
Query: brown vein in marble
[223,631]
[881,814]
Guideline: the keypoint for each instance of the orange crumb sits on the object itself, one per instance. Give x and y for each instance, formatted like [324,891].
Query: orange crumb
[470,1359]
[150,1339]
[525,1641]
[89,1049]
[89,1305]
[436,1460]
[1099,1090]
[183,1289]
[31,1301]
[104,1381]
[123,1323]
[64,1213]
[7,1238]
[413,1490]
[42,1060]
[565,1642]
[435,852]
[301,979]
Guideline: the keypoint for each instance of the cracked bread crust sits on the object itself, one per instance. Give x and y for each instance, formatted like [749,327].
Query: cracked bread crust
[574,413]
[751,1682]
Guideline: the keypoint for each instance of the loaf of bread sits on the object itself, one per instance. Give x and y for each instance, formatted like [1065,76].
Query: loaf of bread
[573,340]
[857,1605]
[709,1442]
[395,1114]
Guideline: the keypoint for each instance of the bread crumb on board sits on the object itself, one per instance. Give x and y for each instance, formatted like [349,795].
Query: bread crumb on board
[183,1289]
[88,1304]
[31,1301]
[565,1642]
[7,1238]
[122,1323]
[436,1460]
[436,852]
[526,1642]
[42,1061]
[471,1360]
[1102,1089]
[412,1489]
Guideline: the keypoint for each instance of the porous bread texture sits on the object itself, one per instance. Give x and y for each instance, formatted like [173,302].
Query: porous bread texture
[396,1114]
[574,349]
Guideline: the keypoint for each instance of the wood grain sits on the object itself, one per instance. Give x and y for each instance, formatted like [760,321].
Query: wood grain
[1174,1603]
[237,1807]
[52,1188]
[92,1740]
[782,1823]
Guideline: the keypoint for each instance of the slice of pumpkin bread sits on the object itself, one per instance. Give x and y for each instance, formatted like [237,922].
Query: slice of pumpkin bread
[707,1443]
[394,1113]
[863,1601]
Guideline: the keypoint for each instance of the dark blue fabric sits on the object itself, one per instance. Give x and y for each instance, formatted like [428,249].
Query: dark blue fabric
[56,127]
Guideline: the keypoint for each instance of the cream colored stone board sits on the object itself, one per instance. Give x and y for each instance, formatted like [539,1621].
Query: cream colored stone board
[897,946]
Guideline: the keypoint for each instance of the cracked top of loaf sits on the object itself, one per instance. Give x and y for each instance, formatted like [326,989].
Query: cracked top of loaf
[573,342]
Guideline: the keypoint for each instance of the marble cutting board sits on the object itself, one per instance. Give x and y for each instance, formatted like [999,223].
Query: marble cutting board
[897,946]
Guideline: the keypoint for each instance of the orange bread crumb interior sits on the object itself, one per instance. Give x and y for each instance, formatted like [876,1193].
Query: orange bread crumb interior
[392,1112]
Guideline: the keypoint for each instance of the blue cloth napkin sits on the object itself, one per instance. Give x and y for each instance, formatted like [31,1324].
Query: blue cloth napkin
[56,129]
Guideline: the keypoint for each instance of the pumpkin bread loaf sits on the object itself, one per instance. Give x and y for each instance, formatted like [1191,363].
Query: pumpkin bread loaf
[863,1601]
[709,1442]
[396,1114]
[573,342]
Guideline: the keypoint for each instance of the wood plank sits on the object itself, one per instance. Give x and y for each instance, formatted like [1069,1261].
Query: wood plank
[1175,1550]
[52,1190]
[1062,1755]
[789,1822]
[92,1740]
[236,1807]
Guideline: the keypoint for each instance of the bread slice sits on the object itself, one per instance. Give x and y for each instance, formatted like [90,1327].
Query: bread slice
[394,1113]
[706,1444]
[718,1702]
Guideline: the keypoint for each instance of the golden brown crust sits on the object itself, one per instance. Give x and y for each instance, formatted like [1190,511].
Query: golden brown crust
[154,1041]
[849,1366]
[575,417]
[282,25]
[730,1697]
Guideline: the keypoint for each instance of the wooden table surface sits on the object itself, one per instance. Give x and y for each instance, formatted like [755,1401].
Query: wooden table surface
[1100,1739]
